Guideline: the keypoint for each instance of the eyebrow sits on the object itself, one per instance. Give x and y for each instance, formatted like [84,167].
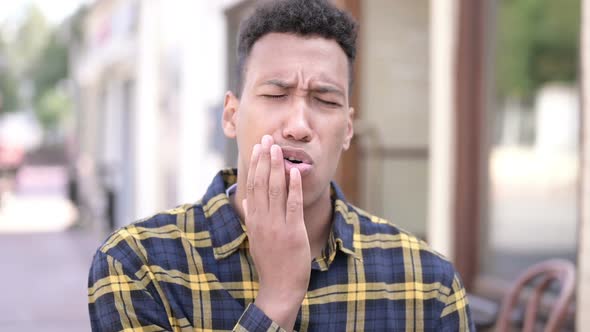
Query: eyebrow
[318,89]
[279,83]
[327,89]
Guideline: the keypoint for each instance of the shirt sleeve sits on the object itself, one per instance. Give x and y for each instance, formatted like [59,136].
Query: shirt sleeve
[118,300]
[254,319]
[456,315]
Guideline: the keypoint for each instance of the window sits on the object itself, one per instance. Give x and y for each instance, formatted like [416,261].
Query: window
[532,209]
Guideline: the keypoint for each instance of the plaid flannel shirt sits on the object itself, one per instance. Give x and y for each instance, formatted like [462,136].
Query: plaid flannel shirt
[190,269]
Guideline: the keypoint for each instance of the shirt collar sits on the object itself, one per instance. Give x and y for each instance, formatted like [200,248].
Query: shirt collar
[225,228]
[228,233]
[342,234]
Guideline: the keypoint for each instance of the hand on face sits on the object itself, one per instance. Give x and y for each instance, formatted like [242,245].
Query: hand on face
[276,232]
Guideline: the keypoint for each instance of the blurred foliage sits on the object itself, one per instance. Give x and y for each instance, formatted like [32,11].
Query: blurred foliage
[8,83]
[9,100]
[20,51]
[53,66]
[538,42]
[53,107]
[35,66]
[28,42]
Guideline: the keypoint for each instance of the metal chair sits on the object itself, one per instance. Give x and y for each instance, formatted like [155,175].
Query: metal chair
[558,270]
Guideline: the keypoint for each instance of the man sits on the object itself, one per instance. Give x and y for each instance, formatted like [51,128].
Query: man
[274,245]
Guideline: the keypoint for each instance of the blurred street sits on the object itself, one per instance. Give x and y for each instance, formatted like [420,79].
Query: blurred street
[44,260]
[37,202]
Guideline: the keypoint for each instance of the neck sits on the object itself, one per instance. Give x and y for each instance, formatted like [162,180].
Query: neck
[317,215]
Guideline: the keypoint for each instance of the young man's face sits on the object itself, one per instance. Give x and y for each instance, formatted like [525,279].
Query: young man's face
[295,90]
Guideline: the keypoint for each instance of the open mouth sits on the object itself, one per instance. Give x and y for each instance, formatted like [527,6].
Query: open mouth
[297,158]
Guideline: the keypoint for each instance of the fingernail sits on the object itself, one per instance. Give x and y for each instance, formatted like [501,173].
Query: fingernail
[256,150]
[274,152]
[266,141]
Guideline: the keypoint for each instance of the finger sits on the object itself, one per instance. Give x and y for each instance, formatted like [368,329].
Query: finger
[245,205]
[294,213]
[277,190]
[250,181]
[262,174]
[245,208]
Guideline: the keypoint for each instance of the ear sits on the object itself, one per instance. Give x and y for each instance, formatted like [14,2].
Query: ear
[230,109]
[349,129]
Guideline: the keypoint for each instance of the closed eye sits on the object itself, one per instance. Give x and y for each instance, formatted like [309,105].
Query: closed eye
[274,96]
[329,103]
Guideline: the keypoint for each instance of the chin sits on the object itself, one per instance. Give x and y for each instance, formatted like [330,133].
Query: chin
[312,192]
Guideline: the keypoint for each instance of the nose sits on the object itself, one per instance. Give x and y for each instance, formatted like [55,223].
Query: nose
[297,126]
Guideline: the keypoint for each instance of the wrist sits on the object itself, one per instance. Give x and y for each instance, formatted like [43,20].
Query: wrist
[279,308]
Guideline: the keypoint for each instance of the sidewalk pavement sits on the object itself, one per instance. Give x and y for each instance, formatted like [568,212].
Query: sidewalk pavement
[43,284]
[44,262]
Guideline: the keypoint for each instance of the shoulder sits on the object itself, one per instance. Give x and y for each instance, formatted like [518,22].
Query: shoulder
[144,239]
[390,239]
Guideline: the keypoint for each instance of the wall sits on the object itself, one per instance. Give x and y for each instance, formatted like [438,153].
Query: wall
[443,18]
[394,110]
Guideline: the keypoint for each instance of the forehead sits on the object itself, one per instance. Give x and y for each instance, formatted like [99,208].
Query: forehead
[285,56]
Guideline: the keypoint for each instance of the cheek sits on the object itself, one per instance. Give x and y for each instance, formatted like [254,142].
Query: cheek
[247,125]
[337,135]
[256,124]
[250,129]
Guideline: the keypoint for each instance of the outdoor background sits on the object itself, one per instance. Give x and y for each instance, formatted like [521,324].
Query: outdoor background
[110,111]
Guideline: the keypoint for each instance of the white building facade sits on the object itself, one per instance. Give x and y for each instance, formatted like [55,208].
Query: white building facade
[150,88]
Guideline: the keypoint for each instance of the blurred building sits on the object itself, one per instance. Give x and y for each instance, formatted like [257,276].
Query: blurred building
[434,151]
[148,99]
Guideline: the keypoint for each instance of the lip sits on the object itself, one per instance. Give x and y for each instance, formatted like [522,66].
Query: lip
[295,153]
[306,165]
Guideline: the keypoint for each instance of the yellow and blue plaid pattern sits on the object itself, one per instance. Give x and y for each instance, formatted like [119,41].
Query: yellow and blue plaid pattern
[189,269]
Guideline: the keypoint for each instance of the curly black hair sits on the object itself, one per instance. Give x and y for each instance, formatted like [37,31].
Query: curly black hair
[300,17]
